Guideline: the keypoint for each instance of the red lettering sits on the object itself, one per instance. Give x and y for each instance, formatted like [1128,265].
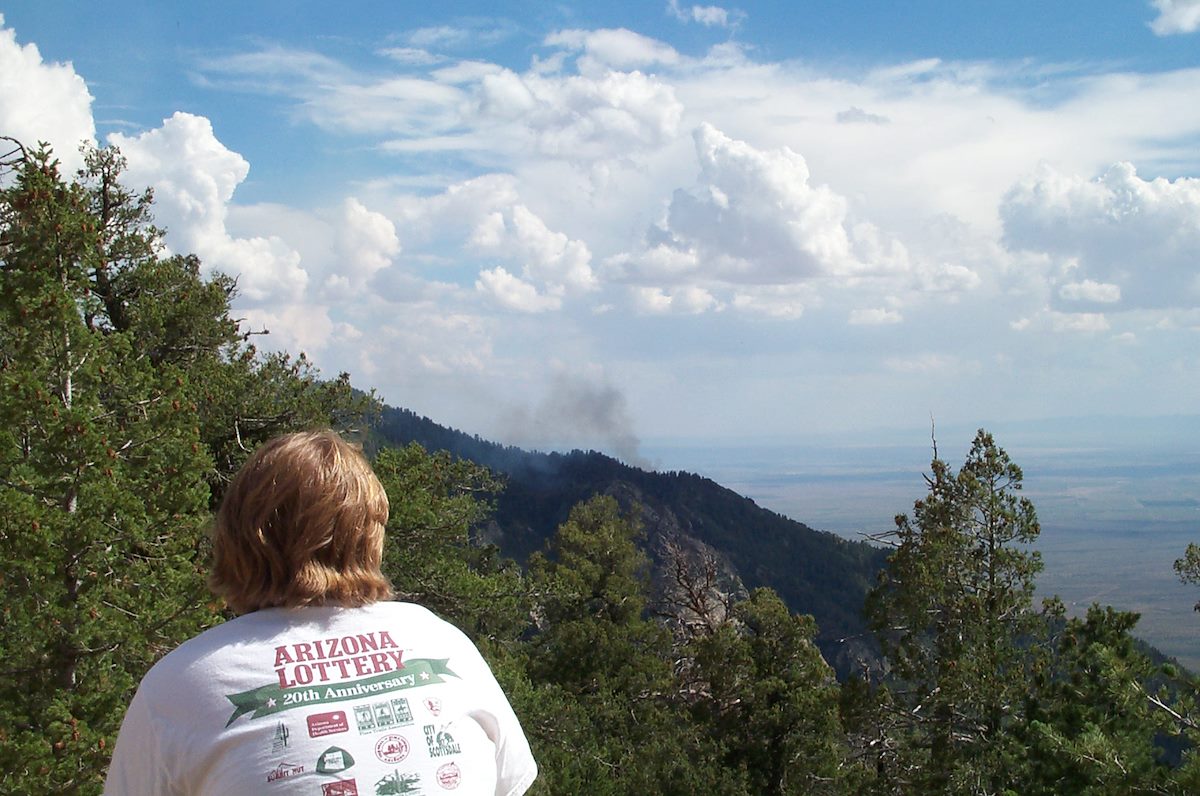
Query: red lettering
[303,674]
[342,664]
[282,657]
[367,642]
[347,643]
[303,652]
[324,667]
[283,681]
[385,640]
[396,657]
[379,660]
[360,665]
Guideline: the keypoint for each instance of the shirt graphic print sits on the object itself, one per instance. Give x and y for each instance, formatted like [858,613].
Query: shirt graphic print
[329,701]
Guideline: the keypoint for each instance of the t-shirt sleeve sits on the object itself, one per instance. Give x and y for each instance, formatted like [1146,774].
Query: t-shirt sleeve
[138,767]
[515,767]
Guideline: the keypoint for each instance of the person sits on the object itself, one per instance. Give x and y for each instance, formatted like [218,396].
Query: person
[321,685]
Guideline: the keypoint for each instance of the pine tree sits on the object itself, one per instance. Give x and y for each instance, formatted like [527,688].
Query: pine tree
[768,697]
[953,611]
[437,502]
[101,496]
[127,397]
[1090,727]
[1184,715]
[600,710]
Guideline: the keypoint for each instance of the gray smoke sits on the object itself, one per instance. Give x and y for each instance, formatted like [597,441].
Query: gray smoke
[576,413]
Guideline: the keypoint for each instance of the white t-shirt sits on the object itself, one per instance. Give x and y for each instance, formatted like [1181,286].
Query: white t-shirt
[328,701]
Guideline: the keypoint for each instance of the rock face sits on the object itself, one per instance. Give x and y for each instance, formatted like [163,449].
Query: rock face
[709,545]
[692,582]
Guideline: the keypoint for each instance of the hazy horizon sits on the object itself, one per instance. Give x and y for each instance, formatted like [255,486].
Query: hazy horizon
[1114,516]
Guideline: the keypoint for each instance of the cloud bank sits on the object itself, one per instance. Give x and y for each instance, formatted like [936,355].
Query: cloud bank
[713,225]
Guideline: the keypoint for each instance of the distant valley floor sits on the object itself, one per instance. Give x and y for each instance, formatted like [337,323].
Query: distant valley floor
[1113,521]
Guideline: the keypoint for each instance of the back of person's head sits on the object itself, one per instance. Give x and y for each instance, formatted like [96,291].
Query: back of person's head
[302,523]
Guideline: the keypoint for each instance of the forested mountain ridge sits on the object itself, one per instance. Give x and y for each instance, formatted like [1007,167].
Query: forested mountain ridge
[814,572]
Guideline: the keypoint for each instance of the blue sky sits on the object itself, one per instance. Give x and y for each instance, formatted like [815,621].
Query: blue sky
[589,224]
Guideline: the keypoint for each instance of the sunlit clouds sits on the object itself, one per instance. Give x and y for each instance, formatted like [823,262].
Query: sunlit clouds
[1176,16]
[525,201]
[42,101]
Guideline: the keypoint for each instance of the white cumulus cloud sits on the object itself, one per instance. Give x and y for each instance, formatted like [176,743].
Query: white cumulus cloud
[194,176]
[296,328]
[485,217]
[514,293]
[599,112]
[429,339]
[1124,240]
[42,101]
[754,226]
[1176,16]
[579,118]
[756,217]
[613,48]
[550,257]
[688,300]
[366,242]
[694,300]
[651,300]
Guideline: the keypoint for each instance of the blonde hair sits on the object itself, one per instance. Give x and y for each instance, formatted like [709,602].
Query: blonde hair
[301,524]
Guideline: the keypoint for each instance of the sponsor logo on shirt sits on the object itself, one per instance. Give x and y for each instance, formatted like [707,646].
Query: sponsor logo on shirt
[331,723]
[449,776]
[440,742]
[343,787]
[280,740]
[340,658]
[433,705]
[391,748]
[334,760]
[283,771]
[382,714]
[398,783]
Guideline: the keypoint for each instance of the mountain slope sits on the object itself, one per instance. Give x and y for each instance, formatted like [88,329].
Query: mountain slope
[814,572]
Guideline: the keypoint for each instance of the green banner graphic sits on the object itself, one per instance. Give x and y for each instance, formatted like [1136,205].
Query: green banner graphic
[268,699]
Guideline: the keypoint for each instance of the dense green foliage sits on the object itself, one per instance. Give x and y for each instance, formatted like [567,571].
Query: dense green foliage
[640,645]
[986,694]
[1089,728]
[128,397]
[953,608]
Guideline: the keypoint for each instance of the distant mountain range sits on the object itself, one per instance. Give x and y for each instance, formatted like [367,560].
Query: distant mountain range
[814,572]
